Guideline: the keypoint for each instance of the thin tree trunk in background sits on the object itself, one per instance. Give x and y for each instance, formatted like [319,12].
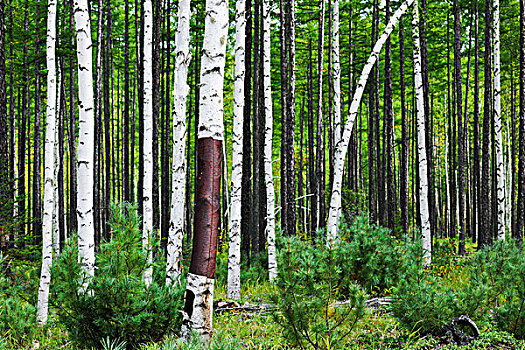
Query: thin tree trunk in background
[372,199]
[268,141]
[99,186]
[106,67]
[125,133]
[380,160]
[140,91]
[485,232]
[312,199]
[254,231]
[389,126]
[4,136]
[290,105]
[404,162]
[246,192]
[513,158]
[61,160]
[284,114]
[320,137]
[234,250]
[157,20]
[12,102]
[452,140]
[422,161]
[22,132]
[49,179]
[476,146]
[71,138]
[149,165]
[300,182]
[461,133]
[501,224]
[520,220]
[180,94]
[37,159]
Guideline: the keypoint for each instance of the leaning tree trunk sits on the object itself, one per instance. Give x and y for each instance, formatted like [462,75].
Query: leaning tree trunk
[268,141]
[49,166]
[178,184]
[85,149]
[198,308]
[234,251]
[342,146]
[421,143]
[498,145]
[336,72]
[149,167]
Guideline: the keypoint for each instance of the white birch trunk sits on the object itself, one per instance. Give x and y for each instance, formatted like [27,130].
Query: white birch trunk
[85,149]
[211,125]
[268,141]
[498,144]
[234,249]
[180,95]
[421,145]
[336,72]
[147,224]
[342,145]
[56,231]
[49,173]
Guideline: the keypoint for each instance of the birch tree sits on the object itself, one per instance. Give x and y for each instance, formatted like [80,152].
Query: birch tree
[268,141]
[421,141]
[49,167]
[198,308]
[180,95]
[85,149]
[342,145]
[336,72]
[147,224]
[498,144]
[234,250]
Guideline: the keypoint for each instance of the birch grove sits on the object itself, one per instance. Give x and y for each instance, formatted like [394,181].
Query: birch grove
[180,95]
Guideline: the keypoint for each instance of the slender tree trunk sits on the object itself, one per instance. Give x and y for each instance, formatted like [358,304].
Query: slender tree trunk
[311,151]
[246,196]
[125,134]
[180,95]
[198,308]
[498,125]
[71,137]
[156,94]
[485,232]
[49,179]
[37,187]
[86,234]
[476,145]
[404,169]
[520,221]
[461,136]
[4,136]
[254,231]
[234,251]
[149,166]
[320,136]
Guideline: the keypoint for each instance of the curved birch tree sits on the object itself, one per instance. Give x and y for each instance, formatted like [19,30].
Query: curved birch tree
[342,145]
[198,307]
[178,184]
[234,249]
[86,131]
[147,223]
[268,141]
[49,167]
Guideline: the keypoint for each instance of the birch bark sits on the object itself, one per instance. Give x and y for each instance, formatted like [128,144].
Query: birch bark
[342,145]
[49,173]
[234,250]
[180,95]
[421,141]
[85,154]
[198,308]
[147,224]
[268,141]
[498,145]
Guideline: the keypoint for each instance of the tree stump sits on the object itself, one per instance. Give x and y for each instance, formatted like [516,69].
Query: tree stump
[453,333]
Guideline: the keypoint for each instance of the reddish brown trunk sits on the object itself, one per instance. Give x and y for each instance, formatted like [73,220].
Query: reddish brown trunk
[207,207]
